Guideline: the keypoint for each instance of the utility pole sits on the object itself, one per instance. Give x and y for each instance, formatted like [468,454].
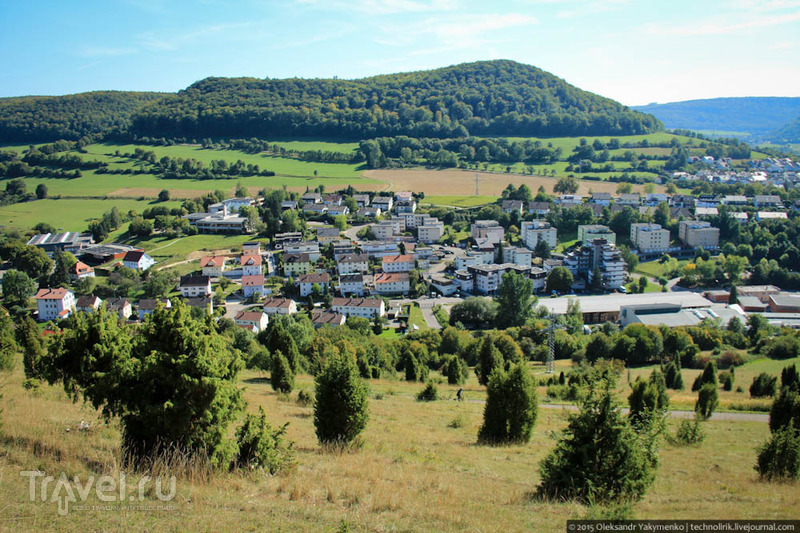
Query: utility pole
[550,365]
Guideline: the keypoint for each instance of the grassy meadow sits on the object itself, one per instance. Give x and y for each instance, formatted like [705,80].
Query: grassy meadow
[420,469]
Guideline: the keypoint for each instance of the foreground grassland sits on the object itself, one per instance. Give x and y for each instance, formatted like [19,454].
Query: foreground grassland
[414,473]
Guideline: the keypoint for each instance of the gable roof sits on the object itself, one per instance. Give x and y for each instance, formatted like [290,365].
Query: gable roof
[212,261]
[253,281]
[316,277]
[250,260]
[51,294]
[133,257]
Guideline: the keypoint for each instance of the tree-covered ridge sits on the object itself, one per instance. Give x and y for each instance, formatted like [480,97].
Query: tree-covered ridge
[483,98]
[49,118]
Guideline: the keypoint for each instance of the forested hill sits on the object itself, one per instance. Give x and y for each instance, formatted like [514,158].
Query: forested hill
[483,98]
[49,118]
[758,117]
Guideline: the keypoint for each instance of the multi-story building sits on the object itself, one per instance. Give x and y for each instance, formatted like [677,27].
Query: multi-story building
[378,249]
[297,264]
[431,230]
[353,264]
[649,238]
[392,283]
[517,256]
[282,239]
[384,203]
[306,282]
[54,304]
[363,307]
[489,230]
[597,256]
[351,284]
[327,235]
[231,205]
[487,278]
[537,230]
[596,231]
[698,234]
[251,265]
[398,263]
[474,257]
[195,286]
[306,247]
[219,223]
[384,230]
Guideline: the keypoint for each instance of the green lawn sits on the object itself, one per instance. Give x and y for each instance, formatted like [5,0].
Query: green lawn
[654,269]
[415,317]
[325,146]
[459,201]
[68,214]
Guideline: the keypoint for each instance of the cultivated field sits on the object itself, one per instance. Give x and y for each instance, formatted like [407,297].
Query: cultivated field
[462,182]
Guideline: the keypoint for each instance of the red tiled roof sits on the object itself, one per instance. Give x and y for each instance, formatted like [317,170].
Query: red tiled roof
[252,281]
[314,278]
[398,258]
[212,261]
[389,277]
[250,260]
[51,294]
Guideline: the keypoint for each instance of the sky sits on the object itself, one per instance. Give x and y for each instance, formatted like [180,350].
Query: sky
[634,51]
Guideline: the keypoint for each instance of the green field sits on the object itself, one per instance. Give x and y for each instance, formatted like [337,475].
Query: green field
[568,143]
[325,146]
[654,269]
[68,214]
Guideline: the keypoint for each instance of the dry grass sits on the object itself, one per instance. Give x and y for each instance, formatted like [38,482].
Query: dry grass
[462,182]
[414,472]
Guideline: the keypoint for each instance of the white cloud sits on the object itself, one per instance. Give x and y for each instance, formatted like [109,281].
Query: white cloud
[383,7]
[458,31]
[591,7]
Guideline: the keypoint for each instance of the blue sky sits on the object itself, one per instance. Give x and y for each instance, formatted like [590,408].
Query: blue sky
[635,51]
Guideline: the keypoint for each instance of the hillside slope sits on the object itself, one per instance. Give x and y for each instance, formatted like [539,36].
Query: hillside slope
[49,118]
[483,98]
[758,117]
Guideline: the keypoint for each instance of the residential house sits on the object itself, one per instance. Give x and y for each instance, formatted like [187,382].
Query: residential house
[230,205]
[280,306]
[569,200]
[431,230]
[338,210]
[540,209]
[138,260]
[288,205]
[80,270]
[327,318]
[251,265]
[403,196]
[369,212]
[384,203]
[601,198]
[253,285]
[120,306]
[342,248]
[251,248]
[311,198]
[297,264]
[353,264]
[306,282]
[54,304]
[629,199]
[351,284]
[362,200]
[398,263]
[315,209]
[384,230]
[212,265]
[327,235]
[363,307]
[767,200]
[489,230]
[88,304]
[205,303]
[392,283]
[378,249]
[511,206]
[771,215]
[257,320]
[654,198]
[282,239]
[332,200]
[306,247]
[193,286]
[149,305]
[405,206]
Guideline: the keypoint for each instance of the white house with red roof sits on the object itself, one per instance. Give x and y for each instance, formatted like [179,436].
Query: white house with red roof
[398,263]
[213,265]
[54,304]
[251,265]
[252,285]
[257,320]
[138,260]
[280,306]
[79,271]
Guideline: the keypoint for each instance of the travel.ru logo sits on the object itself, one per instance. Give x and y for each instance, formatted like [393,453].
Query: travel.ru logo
[108,489]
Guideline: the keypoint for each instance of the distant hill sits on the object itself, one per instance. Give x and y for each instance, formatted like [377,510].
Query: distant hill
[759,117]
[49,118]
[483,98]
[489,98]
[788,134]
